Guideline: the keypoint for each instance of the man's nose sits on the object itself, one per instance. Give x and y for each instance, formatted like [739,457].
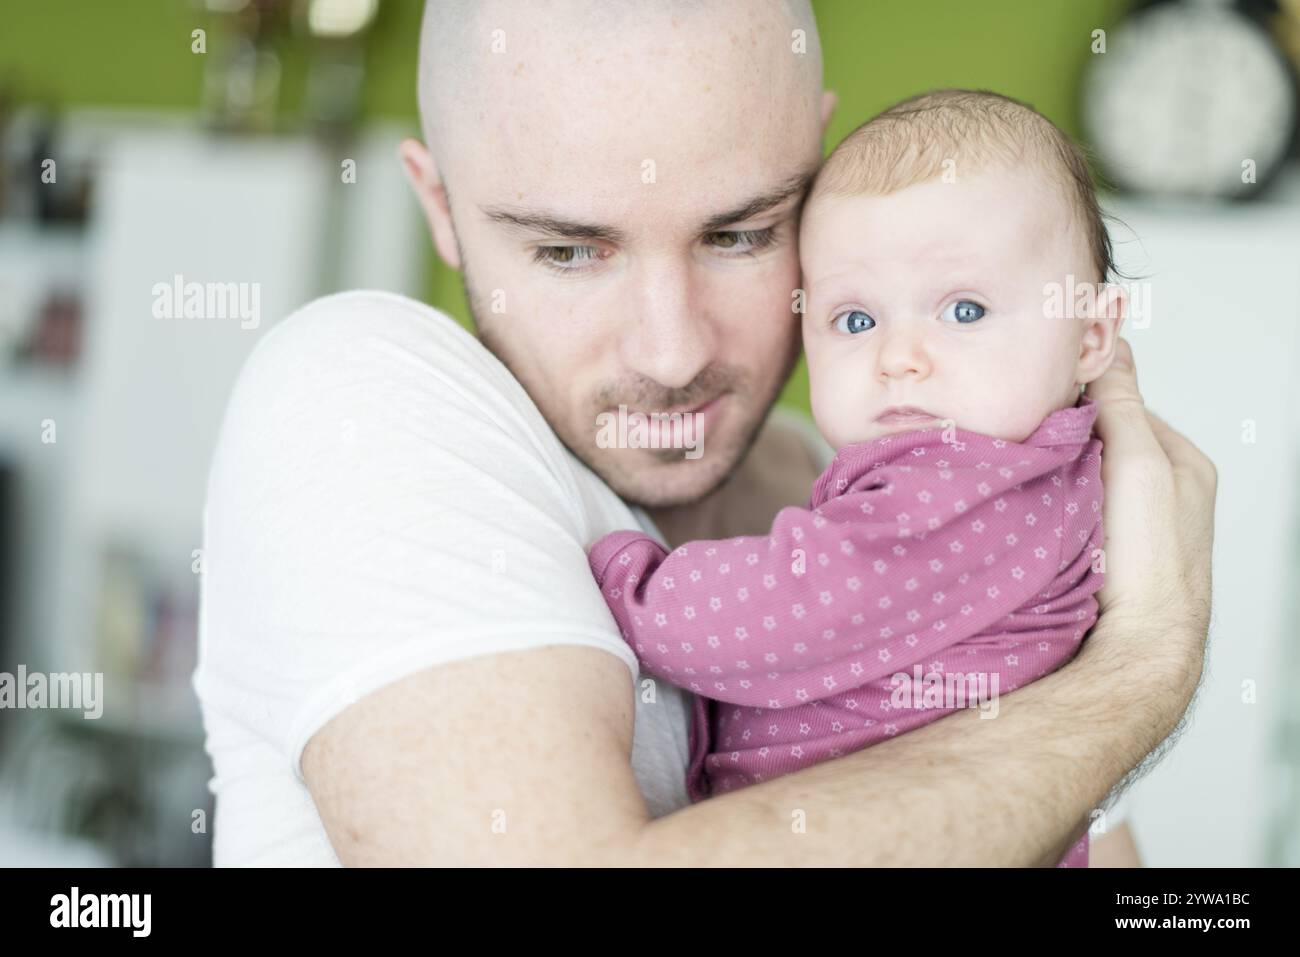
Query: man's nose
[669,337]
[903,353]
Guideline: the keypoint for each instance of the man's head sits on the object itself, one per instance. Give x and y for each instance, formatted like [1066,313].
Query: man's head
[930,242]
[619,183]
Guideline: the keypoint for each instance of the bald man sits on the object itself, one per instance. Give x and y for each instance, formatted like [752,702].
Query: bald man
[403,657]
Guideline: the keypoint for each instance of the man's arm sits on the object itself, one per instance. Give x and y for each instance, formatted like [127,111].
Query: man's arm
[524,759]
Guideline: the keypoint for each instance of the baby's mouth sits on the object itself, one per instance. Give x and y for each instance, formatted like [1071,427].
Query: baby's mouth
[906,415]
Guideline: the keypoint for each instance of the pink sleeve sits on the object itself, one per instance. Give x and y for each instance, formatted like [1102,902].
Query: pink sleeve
[731,618]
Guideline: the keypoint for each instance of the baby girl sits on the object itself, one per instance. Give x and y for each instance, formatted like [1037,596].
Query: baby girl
[953,547]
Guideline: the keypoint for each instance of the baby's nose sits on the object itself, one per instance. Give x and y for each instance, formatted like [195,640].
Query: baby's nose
[903,354]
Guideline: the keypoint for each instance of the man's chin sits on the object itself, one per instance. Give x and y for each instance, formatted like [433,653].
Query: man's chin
[655,479]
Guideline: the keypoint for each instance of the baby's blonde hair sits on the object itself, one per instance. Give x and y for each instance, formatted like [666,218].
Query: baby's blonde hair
[910,142]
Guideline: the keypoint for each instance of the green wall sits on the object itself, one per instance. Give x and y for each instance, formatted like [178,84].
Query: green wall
[877,52]
[137,53]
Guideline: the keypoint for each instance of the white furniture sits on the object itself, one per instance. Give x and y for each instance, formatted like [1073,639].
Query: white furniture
[138,417]
[1219,358]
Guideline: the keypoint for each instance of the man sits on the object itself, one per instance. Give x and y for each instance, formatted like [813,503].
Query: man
[404,660]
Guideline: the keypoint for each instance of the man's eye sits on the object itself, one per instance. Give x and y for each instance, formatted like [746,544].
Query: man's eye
[741,240]
[963,311]
[854,321]
[566,257]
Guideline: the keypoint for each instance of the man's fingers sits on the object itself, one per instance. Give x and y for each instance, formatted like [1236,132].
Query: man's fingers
[1176,445]
[1187,460]
[1122,420]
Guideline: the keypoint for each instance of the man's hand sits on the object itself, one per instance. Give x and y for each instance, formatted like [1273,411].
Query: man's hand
[1159,520]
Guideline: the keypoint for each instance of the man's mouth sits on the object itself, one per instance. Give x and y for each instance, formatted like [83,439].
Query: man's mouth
[707,408]
[659,430]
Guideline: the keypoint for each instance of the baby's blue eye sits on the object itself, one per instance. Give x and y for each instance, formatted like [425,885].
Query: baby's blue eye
[854,320]
[963,311]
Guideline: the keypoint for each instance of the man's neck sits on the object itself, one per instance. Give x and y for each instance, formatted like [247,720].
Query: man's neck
[778,471]
[704,518]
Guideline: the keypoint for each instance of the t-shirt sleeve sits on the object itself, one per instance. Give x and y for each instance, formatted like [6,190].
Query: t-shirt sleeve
[384,497]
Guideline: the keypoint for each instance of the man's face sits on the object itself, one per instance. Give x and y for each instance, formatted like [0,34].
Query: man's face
[625,204]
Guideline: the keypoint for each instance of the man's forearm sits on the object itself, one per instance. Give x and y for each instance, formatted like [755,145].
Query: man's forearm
[963,790]
[412,774]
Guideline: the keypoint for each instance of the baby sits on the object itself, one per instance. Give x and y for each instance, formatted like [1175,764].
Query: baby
[952,549]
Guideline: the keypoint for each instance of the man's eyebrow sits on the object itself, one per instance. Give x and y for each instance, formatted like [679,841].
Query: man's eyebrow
[543,222]
[552,225]
[796,185]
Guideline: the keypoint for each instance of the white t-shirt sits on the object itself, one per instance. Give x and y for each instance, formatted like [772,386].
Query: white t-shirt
[385,497]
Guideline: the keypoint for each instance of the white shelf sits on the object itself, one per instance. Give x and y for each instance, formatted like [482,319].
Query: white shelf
[1221,348]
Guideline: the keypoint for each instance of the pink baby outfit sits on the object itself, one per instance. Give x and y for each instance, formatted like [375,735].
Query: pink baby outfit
[947,556]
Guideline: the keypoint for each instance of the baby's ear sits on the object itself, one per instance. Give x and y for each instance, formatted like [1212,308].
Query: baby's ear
[1101,332]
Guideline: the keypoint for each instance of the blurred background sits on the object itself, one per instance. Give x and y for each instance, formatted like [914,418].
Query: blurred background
[134,149]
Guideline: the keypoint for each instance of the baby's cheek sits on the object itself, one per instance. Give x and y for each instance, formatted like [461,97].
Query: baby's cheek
[1018,415]
[823,410]
[840,403]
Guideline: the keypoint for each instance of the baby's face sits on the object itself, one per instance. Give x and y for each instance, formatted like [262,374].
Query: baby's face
[932,298]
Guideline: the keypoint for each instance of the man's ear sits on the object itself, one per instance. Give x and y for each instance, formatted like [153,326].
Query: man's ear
[829,100]
[422,174]
[1101,333]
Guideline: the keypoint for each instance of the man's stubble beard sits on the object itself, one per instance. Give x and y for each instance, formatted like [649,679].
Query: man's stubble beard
[630,491]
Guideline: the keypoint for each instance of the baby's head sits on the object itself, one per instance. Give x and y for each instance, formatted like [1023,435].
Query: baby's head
[931,242]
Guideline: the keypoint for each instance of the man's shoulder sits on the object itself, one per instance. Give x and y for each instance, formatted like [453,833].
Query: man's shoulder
[370,328]
[361,305]
[368,385]
[356,312]
[378,354]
